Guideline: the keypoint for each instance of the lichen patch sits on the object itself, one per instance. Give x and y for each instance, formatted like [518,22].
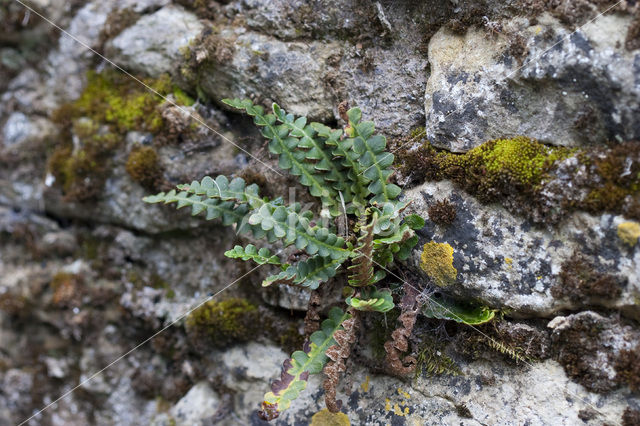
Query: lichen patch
[437,261]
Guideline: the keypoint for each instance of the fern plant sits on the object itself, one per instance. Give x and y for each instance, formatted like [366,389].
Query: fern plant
[348,171]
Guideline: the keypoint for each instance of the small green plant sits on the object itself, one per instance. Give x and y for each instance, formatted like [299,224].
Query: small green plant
[347,171]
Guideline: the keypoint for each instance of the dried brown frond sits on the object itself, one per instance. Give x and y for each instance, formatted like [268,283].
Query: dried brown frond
[312,318]
[399,343]
[362,265]
[338,355]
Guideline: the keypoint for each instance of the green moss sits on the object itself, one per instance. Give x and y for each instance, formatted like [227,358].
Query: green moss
[114,98]
[81,172]
[223,323]
[499,167]
[431,360]
[519,168]
[111,105]
[518,162]
[437,261]
[579,280]
[182,98]
[144,167]
[521,159]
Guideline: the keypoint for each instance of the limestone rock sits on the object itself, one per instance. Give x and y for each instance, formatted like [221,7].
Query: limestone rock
[540,80]
[507,262]
[153,44]
[290,74]
[198,404]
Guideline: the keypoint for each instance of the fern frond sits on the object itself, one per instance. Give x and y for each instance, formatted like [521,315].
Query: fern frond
[388,216]
[349,160]
[296,370]
[362,264]
[287,224]
[232,200]
[290,156]
[214,208]
[374,160]
[374,300]
[462,312]
[310,273]
[396,246]
[316,152]
[220,187]
[338,354]
[261,256]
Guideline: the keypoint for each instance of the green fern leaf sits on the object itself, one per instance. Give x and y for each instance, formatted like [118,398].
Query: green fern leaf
[374,300]
[221,188]
[296,370]
[269,220]
[349,161]
[374,160]
[310,273]
[317,153]
[214,208]
[287,224]
[461,312]
[290,156]
[261,256]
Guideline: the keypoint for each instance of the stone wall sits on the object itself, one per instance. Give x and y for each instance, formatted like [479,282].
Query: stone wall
[521,114]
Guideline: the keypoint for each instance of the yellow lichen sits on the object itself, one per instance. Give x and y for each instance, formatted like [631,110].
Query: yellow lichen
[629,232]
[365,385]
[327,418]
[403,393]
[437,261]
[398,411]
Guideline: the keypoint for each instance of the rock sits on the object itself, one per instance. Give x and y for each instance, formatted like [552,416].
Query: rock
[57,367]
[239,361]
[19,128]
[536,81]
[59,243]
[594,350]
[394,76]
[290,74]
[198,404]
[485,394]
[21,383]
[142,267]
[142,6]
[317,76]
[22,152]
[506,262]
[287,297]
[152,46]
[289,20]
[68,64]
